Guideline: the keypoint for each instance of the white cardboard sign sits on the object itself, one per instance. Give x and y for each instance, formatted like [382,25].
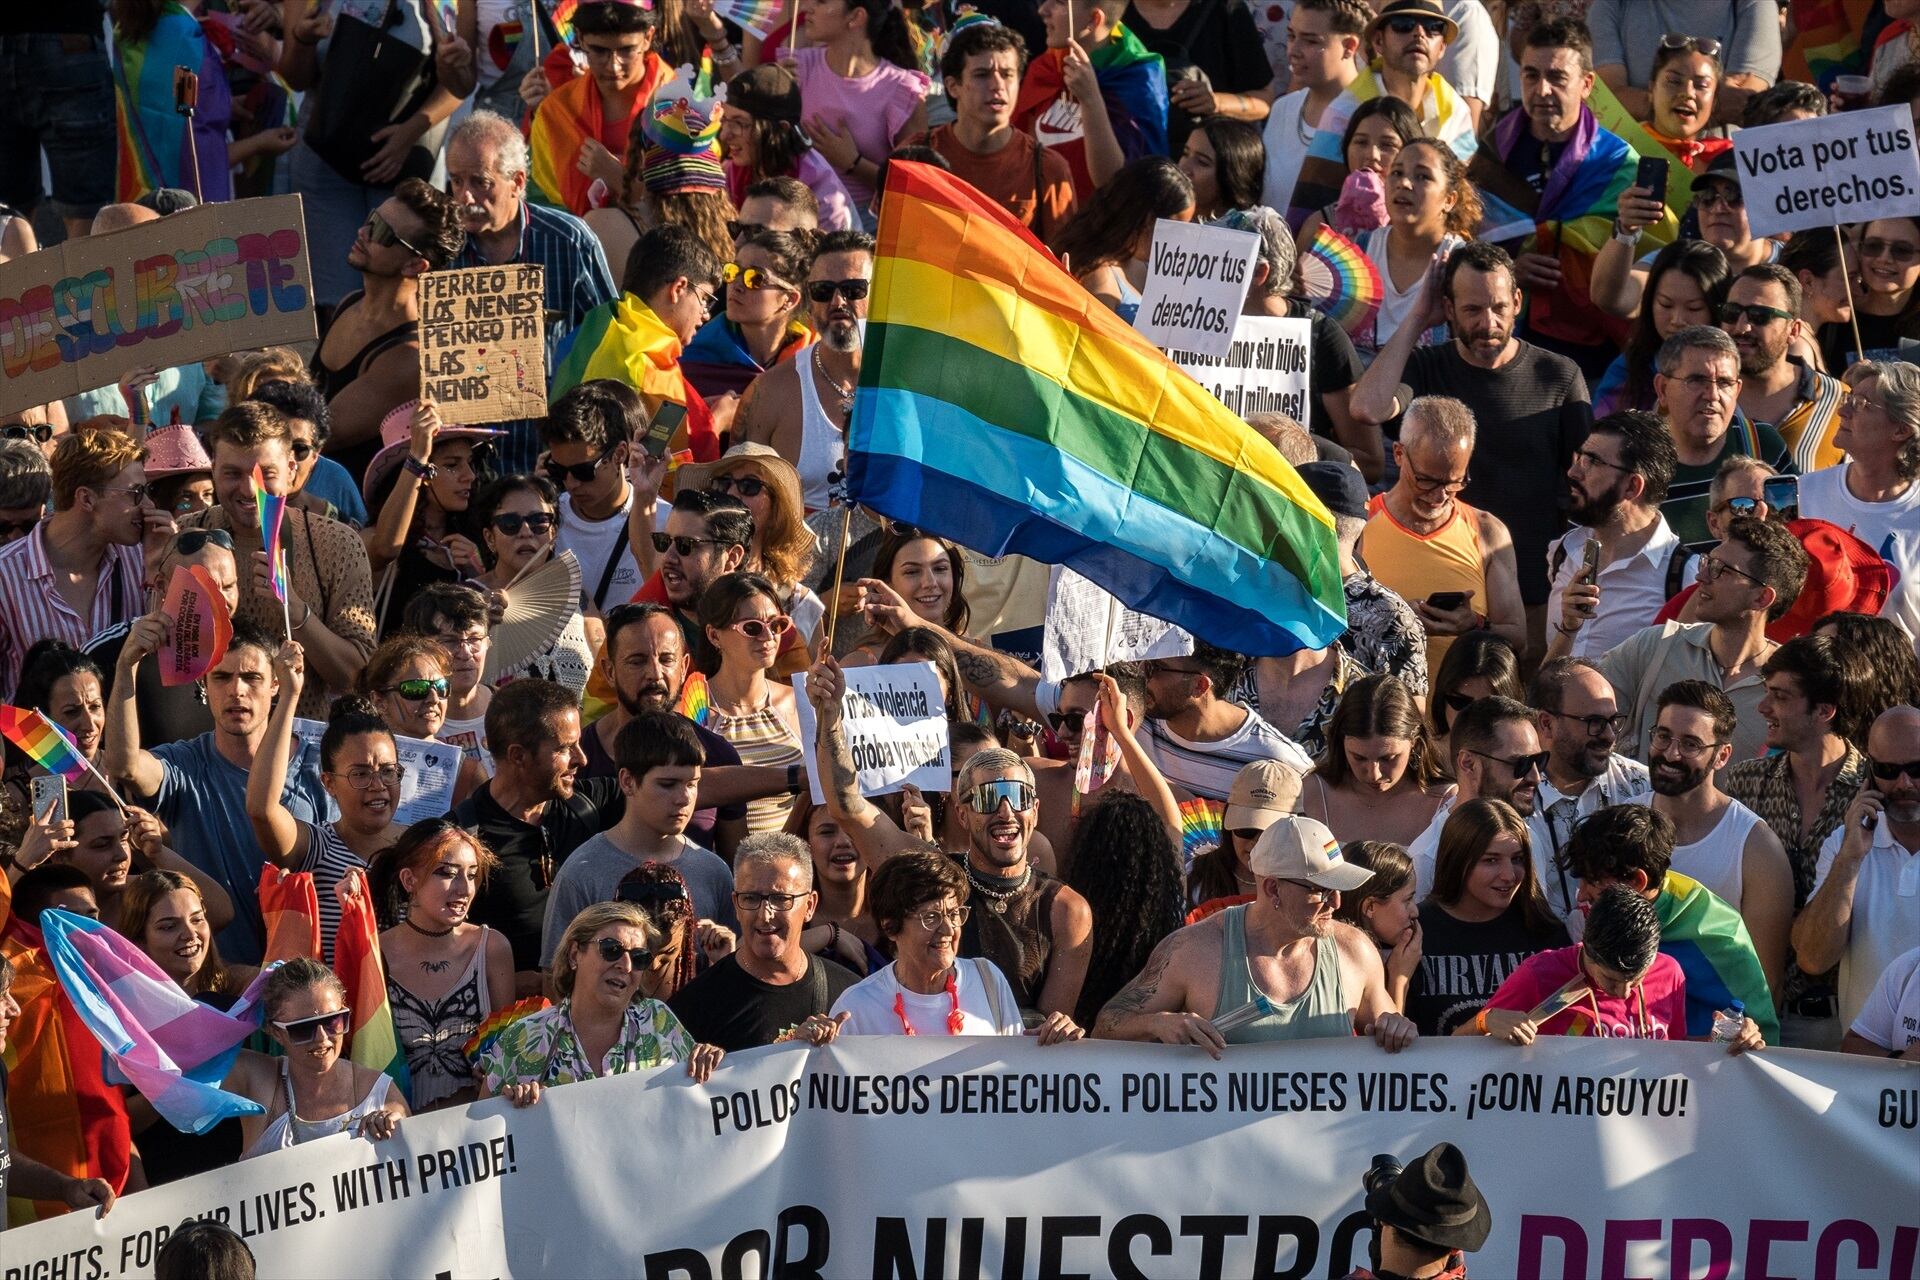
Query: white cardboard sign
[1197,278]
[1265,370]
[426,791]
[895,722]
[1088,627]
[1849,167]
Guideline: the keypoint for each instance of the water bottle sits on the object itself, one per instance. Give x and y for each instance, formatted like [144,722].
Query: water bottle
[1728,1023]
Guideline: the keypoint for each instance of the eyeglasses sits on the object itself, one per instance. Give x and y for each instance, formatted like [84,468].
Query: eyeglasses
[1313,891]
[362,777]
[1588,458]
[709,300]
[1406,26]
[762,628]
[614,52]
[683,544]
[1739,506]
[824,291]
[189,541]
[510,523]
[1895,250]
[1662,740]
[752,904]
[1888,770]
[1706,46]
[302,449]
[932,920]
[751,277]
[38,432]
[745,486]
[987,796]
[1521,765]
[1757,316]
[738,230]
[420,690]
[1701,383]
[1427,484]
[579,472]
[306,1030]
[140,493]
[1158,667]
[1713,567]
[1724,194]
[381,232]
[1853,402]
[471,640]
[1596,725]
[610,951]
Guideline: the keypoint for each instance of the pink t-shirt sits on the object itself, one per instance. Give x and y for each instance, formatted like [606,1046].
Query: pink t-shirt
[1657,1011]
[875,107]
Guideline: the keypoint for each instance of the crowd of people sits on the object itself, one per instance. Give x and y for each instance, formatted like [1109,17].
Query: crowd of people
[1622,738]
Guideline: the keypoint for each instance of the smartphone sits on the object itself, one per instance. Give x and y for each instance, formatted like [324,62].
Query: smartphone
[1448,600]
[1782,496]
[660,431]
[1590,562]
[186,91]
[1652,176]
[49,799]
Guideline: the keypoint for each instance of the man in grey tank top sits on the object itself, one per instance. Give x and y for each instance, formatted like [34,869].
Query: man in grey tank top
[1278,968]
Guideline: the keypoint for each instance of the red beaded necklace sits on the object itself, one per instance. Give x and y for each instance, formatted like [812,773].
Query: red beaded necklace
[954,1020]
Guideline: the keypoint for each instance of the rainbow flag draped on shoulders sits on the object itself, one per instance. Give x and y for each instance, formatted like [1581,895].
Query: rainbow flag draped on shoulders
[152,137]
[565,119]
[624,340]
[1444,114]
[1710,940]
[1002,406]
[1133,83]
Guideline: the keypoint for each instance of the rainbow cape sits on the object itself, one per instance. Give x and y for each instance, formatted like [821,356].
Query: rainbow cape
[1444,114]
[356,959]
[567,118]
[624,340]
[152,137]
[1133,83]
[1002,406]
[1710,940]
[172,1048]
[43,741]
[1569,220]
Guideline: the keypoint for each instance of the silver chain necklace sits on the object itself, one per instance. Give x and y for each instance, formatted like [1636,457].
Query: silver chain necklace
[997,898]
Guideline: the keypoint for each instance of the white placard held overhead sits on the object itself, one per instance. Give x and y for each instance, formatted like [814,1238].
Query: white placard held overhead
[1196,280]
[1088,627]
[426,790]
[1849,167]
[895,723]
[1266,370]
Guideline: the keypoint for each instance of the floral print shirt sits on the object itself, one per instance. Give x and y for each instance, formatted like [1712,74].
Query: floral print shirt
[543,1048]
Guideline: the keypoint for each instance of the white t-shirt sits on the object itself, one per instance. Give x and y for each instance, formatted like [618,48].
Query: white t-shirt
[1886,913]
[1891,1016]
[1471,63]
[1891,528]
[1209,768]
[593,542]
[871,1004]
[1633,590]
[1286,149]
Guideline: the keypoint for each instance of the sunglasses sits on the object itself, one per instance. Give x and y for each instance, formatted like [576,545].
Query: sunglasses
[683,544]
[1895,250]
[1458,701]
[751,277]
[825,291]
[1521,765]
[1740,506]
[38,431]
[510,524]
[381,232]
[1706,46]
[988,796]
[306,1030]
[762,629]
[1061,721]
[611,951]
[1407,26]
[420,690]
[1595,725]
[1719,195]
[303,449]
[1757,316]
[737,230]
[580,472]
[1888,770]
[745,486]
[189,541]
[1249,834]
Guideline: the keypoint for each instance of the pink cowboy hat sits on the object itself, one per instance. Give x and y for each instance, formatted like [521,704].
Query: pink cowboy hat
[396,432]
[173,451]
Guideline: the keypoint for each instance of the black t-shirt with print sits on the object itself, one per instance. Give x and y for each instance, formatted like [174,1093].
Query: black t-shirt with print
[730,1007]
[1463,964]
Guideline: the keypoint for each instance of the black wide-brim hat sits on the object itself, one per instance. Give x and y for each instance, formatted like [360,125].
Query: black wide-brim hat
[1434,1199]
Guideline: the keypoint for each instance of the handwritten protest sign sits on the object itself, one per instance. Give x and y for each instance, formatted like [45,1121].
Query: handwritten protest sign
[895,722]
[1087,628]
[201,627]
[219,278]
[483,345]
[426,790]
[1264,371]
[1196,280]
[1848,167]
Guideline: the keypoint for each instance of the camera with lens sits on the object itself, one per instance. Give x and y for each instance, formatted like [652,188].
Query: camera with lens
[1426,1215]
[1380,1174]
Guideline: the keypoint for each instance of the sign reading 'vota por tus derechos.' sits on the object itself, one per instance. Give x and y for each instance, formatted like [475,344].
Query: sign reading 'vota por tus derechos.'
[1197,277]
[1830,170]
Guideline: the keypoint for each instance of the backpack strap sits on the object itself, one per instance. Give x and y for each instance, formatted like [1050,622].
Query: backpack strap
[984,969]
[1677,570]
[817,985]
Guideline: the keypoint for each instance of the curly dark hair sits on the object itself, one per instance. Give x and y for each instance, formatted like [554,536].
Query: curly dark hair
[645,887]
[443,238]
[1126,867]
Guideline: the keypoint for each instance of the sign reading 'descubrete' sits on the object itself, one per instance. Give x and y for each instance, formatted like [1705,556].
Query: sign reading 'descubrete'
[483,346]
[1196,280]
[1848,167]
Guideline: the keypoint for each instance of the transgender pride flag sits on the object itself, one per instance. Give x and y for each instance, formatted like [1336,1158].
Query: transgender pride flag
[168,1045]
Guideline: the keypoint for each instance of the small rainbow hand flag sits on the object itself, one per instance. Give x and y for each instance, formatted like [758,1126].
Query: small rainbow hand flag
[694,703]
[272,511]
[45,743]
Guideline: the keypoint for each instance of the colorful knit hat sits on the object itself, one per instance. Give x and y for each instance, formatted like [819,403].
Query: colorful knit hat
[682,128]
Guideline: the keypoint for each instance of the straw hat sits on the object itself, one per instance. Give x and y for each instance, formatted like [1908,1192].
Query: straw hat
[774,471]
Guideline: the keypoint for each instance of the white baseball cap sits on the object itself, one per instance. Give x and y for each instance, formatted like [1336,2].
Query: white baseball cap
[1300,848]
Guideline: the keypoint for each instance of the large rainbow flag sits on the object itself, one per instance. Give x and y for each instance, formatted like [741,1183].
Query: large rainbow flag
[624,340]
[1710,940]
[562,123]
[1002,406]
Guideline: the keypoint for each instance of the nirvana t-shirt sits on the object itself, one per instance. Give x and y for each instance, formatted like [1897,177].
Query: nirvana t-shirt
[1463,964]
[730,1007]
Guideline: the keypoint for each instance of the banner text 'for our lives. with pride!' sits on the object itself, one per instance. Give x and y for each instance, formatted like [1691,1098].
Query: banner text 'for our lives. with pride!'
[897,1157]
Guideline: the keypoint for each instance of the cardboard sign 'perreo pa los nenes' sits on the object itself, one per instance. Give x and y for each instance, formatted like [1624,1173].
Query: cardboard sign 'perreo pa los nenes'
[1844,168]
[483,345]
[212,280]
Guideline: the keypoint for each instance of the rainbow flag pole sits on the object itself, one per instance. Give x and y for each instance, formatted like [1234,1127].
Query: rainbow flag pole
[272,511]
[48,746]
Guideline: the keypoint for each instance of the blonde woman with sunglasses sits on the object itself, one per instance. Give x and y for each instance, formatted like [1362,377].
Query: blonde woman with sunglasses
[742,625]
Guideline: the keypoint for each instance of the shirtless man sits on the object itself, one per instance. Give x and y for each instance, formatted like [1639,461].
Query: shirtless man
[1311,978]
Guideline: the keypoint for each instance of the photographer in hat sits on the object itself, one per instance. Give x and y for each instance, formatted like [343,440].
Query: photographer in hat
[1426,1217]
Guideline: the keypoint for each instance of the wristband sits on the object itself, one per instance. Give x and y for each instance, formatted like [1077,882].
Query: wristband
[833,936]
[425,470]
[1566,631]
[1626,237]
[796,779]
[1480,1021]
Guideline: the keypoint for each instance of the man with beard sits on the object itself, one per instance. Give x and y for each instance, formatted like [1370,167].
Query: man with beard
[1579,722]
[1718,841]
[1795,399]
[198,788]
[1422,541]
[705,539]
[1616,484]
[1282,957]
[1530,404]
[1496,756]
[487,163]
[533,813]
[799,407]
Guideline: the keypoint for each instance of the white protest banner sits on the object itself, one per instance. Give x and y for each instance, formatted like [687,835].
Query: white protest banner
[1196,280]
[1264,371]
[1848,167]
[1088,627]
[483,345]
[426,789]
[204,282]
[896,1156]
[895,722]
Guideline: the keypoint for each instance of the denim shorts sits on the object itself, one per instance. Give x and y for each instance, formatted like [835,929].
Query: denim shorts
[56,94]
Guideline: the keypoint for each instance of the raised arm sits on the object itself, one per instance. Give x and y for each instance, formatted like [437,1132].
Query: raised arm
[1376,397]
[998,678]
[279,833]
[1147,778]
[1820,934]
[386,537]
[122,756]
[876,837]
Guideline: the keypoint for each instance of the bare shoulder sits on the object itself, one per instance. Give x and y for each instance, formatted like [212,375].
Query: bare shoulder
[1070,911]
[1493,531]
[1356,948]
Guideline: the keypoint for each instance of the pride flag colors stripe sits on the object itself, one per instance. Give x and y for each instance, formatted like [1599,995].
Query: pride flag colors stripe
[1002,406]
[45,743]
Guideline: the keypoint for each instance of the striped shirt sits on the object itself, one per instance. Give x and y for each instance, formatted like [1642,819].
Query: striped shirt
[577,280]
[329,860]
[1209,768]
[31,608]
[1809,426]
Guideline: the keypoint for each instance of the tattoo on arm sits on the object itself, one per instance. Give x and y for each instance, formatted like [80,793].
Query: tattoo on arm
[841,776]
[1133,997]
[976,668]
